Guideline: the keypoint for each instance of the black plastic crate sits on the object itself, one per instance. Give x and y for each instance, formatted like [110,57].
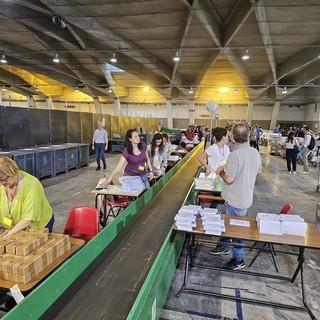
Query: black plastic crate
[83,154]
[26,160]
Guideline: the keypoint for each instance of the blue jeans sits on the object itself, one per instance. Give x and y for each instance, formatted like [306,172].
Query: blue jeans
[238,250]
[99,147]
[50,224]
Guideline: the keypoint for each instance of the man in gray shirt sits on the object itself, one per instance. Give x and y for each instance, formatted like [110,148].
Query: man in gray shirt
[239,177]
[100,144]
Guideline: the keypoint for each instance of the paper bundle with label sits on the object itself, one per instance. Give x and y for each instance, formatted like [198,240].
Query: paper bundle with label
[186,217]
[281,224]
[173,158]
[131,183]
[205,183]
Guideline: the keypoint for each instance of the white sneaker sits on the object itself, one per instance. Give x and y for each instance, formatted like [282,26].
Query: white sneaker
[289,172]
[304,172]
[294,172]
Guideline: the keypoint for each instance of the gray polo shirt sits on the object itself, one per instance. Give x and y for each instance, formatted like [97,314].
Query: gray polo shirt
[243,164]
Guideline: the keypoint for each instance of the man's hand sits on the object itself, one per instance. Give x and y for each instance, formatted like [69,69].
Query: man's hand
[207,173]
[106,148]
[93,147]
[219,169]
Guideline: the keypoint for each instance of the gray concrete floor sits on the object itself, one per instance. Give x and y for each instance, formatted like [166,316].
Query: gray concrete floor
[274,188]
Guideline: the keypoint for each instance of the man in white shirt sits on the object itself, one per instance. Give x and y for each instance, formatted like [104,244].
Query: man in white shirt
[305,149]
[100,144]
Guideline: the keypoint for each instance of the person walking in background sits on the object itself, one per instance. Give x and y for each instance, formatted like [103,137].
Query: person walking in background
[253,137]
[100,144]
[258,134]
[291,154]
[277,129]
[239,177]
[305,149]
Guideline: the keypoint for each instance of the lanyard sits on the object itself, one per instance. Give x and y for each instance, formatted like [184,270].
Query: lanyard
[222,153]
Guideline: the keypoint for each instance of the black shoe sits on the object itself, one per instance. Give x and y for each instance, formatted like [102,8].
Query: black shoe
[220,250]
[234,264]
[98,168]
[104,167]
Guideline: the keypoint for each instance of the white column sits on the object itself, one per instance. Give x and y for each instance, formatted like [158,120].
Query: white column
[275,113]
[249,112]
[169,114]
[191,112]
[97,106]
[0,99]
[117,107]
[49,103]
[30,102]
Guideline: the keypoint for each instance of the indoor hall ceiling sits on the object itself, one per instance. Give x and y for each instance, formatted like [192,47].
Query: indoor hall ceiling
[210,36]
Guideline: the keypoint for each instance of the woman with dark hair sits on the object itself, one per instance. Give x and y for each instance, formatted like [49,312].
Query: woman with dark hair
[190,133]
[158,153]
[136,157]
[291,155]
[217,154]
[198,132]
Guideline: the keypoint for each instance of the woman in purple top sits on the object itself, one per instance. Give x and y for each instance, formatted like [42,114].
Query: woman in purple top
[136,156]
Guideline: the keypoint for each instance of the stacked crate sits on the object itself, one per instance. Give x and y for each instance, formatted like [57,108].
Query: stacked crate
[25,254]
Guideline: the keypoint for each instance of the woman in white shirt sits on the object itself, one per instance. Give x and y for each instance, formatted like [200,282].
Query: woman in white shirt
[217,154]
[291,155]
[158,154]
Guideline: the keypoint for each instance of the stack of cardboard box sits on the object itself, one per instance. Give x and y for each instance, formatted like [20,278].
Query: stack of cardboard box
[25,254]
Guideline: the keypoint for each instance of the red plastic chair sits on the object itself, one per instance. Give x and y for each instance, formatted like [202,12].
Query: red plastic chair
[82,223]
[286,209]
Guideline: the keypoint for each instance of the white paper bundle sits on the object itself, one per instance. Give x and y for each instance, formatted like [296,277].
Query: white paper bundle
[269,223]
[131,183]
[293,225]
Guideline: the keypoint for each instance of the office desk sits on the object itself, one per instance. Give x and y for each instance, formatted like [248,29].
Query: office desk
[75,245]
[311,240]
[113,190]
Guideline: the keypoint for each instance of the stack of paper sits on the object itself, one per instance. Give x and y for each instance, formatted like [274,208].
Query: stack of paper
[281,224]
[293,224]
[173,158]
[212,222]
[205,183]
[269,223]
[186,217]
[131,183]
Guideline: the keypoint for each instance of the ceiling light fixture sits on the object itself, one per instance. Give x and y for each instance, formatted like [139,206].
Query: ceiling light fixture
[113,58]
[110,90]
[147,89]
[284,91]
[191,90]
[246,55]
[37,88]
[56,58]
[3,58]
[4,88]
[176,57]
[223,89]
[76,89]
[236,90]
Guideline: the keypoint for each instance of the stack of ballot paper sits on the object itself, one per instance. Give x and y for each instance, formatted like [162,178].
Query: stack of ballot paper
[186,218]
[205,183]
[173,158]
[131,183]
[281,224]
[293,224]
[212,222]
[269,223]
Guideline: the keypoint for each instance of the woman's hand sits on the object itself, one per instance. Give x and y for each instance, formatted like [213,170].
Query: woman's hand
[106,183]
[207,173]
[163,170]
[150,175]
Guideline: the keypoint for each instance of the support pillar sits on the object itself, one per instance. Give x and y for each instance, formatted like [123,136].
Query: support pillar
[169,114]
[97,106]
[50,103]
[275,113]
[249,112]
[191,112]
[117,107]
[0,99]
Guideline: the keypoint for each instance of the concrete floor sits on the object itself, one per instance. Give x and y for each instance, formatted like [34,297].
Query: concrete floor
[274,188]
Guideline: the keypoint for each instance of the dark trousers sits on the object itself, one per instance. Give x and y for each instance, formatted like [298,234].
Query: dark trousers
[291,156]
[50,224]
[253,143]
[99,147]
[257,145]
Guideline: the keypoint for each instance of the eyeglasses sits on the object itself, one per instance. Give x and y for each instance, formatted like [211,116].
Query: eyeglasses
[4,181]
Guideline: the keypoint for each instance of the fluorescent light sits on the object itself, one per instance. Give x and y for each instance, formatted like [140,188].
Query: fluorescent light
[3,59]
[56,58]
[4,88]
[76,89]
[176,57]
[284,91]
[236,90]
[246,55]
[191,90]
[110,90]
[113,58]
[223,89]
[147,89]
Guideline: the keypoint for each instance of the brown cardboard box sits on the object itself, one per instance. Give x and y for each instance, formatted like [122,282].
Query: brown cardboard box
[318,215]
